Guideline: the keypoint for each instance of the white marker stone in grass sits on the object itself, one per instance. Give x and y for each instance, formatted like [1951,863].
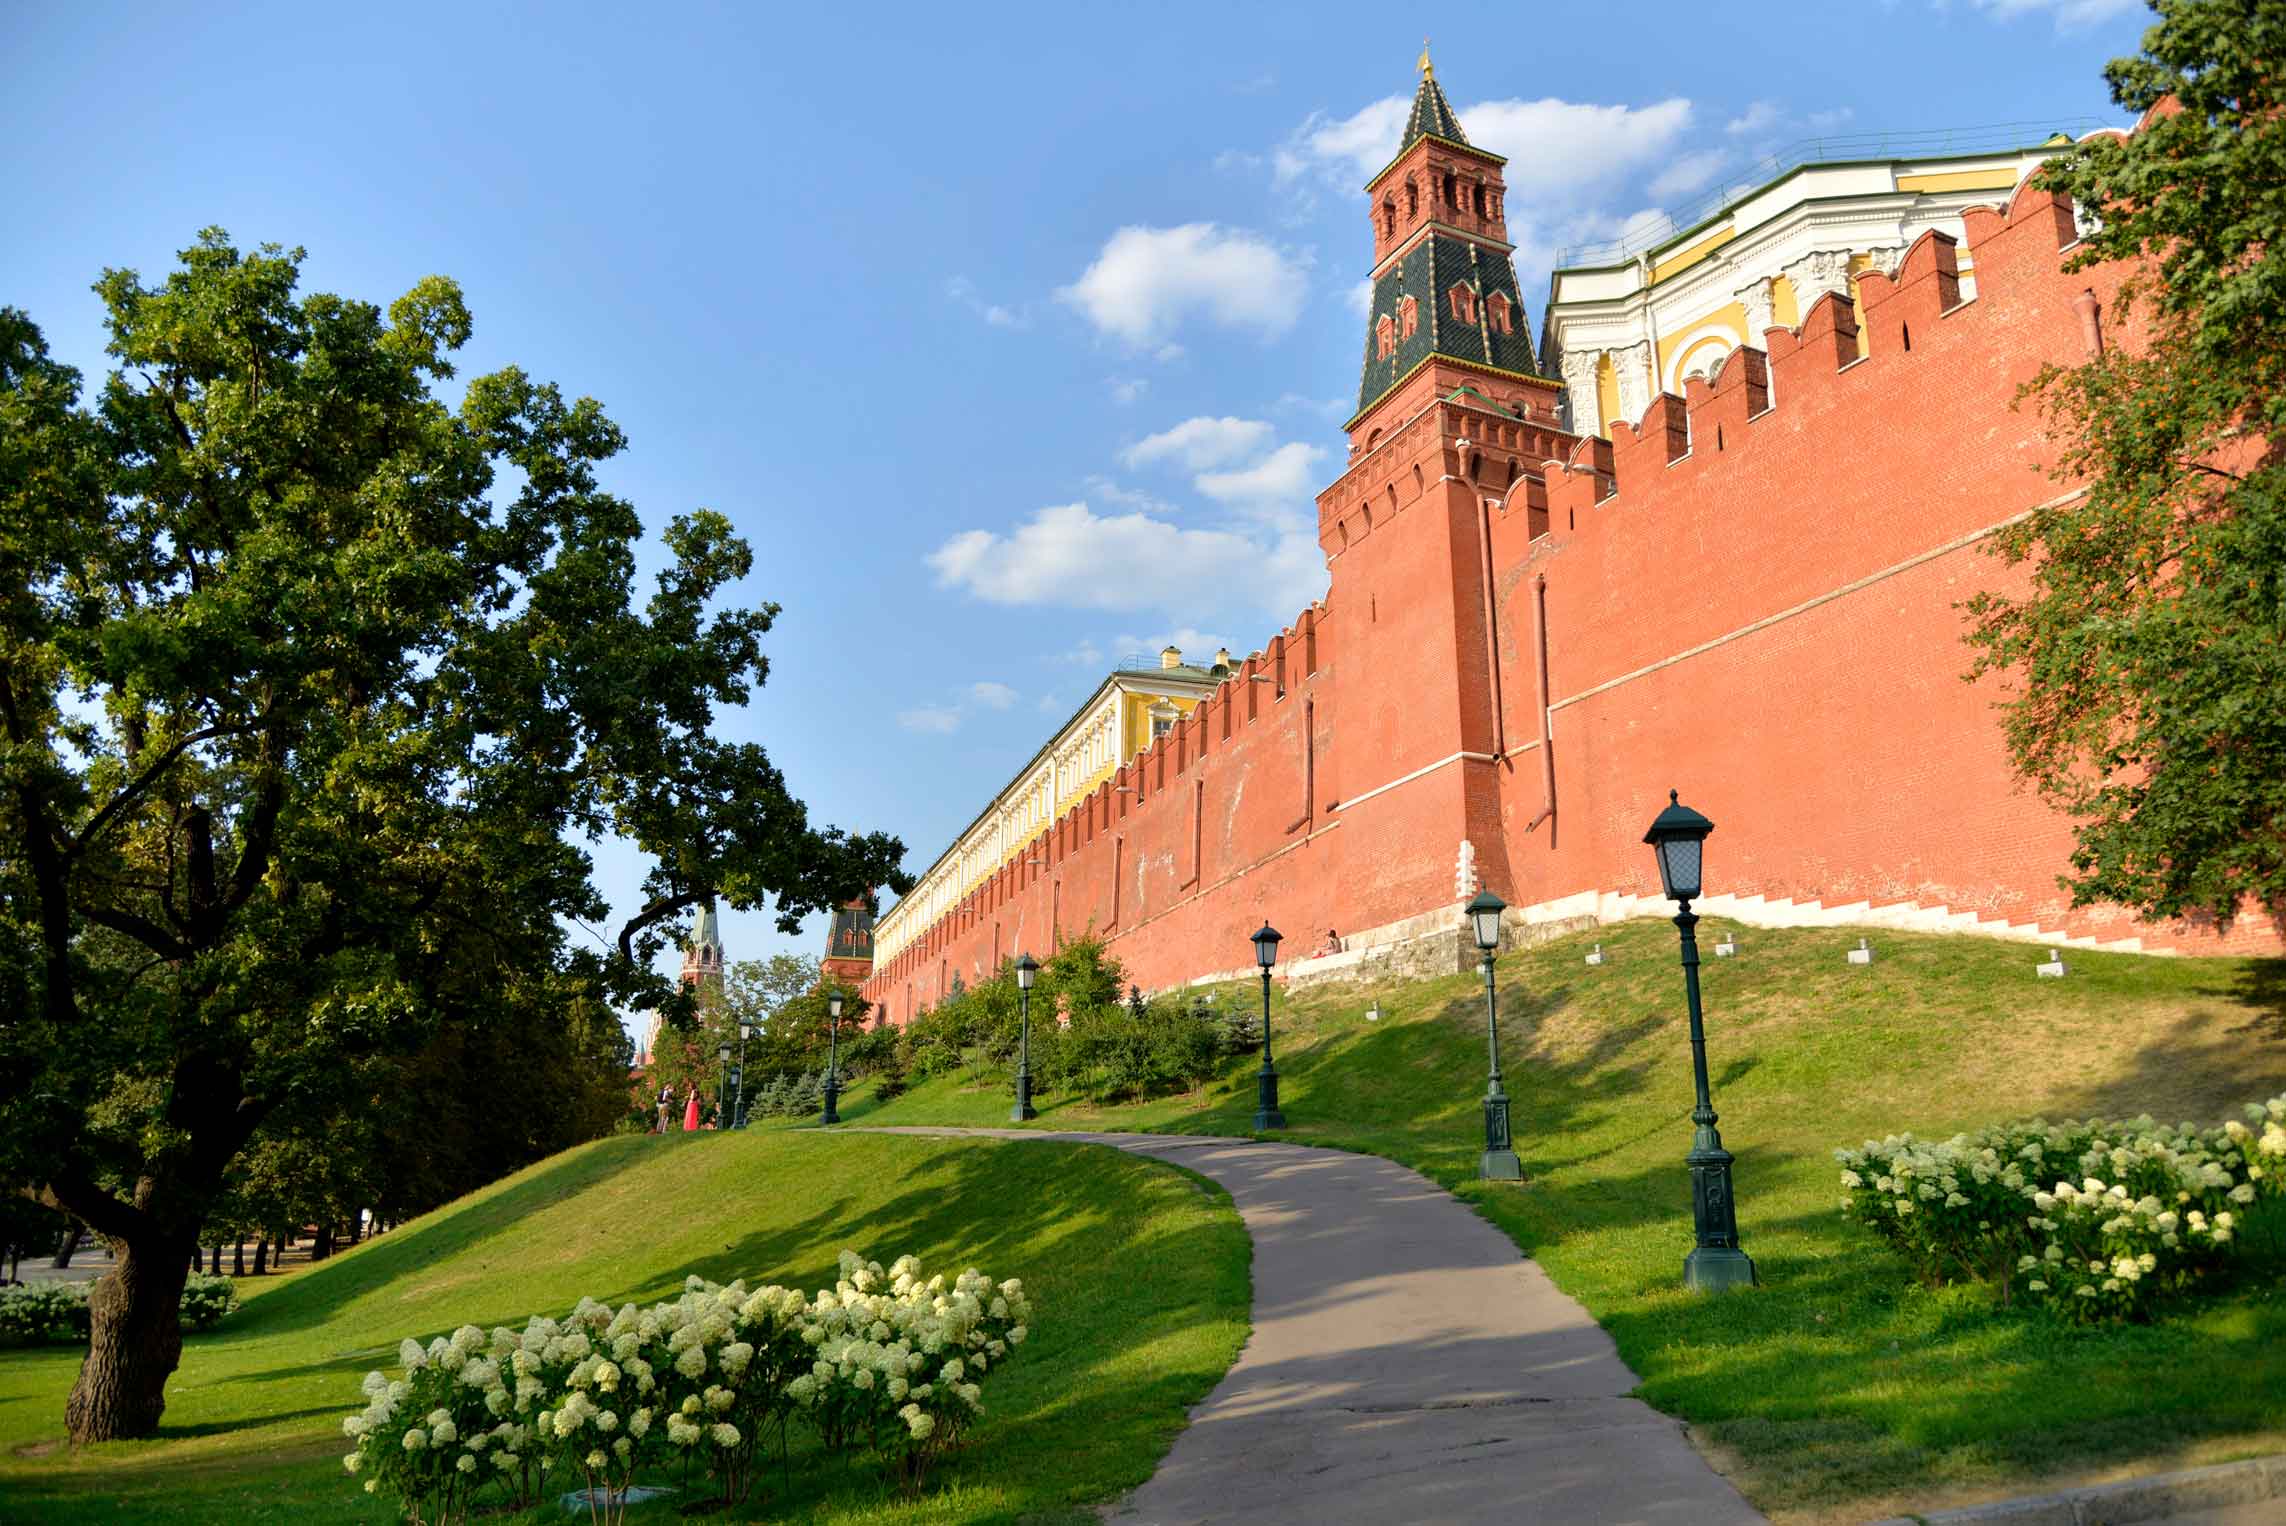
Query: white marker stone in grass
[1596,955]
[1862,954]
[1728,948]
[2054,969]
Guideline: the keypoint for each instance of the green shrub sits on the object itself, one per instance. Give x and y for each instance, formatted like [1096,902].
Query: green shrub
[38,1313]
[206,1300]
[2093,1218]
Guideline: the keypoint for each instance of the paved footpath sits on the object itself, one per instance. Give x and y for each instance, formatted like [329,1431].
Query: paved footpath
[1406,1365]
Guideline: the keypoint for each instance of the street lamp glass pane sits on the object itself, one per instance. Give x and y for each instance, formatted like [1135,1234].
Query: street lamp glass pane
[1266,947]
[1679,867]
[1487,929]
[833,1006]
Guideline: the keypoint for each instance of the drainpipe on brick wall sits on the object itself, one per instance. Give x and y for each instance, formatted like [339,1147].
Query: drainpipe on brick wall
[1547,755]
[1491,626]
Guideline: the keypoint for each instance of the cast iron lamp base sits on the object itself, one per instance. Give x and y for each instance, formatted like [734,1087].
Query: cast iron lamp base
[1022,1112]
[1499,1163]
[832,1096]
[1266,1114]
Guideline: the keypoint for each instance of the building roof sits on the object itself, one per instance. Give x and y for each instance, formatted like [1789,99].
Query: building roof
[1432,115]
[1427,272]
[708,934]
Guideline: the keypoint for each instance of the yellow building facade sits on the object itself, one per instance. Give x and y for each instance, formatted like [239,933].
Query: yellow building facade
[1134,704]
[1627,323]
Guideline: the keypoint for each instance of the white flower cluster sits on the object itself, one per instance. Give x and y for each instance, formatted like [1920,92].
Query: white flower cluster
[884,1359]
[2094,1217]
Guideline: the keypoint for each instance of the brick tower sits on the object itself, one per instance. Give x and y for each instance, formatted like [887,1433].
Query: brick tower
[1451,419]
[702,956]
[848,961]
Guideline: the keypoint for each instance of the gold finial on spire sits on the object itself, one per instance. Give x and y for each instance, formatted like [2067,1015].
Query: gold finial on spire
[1428,70]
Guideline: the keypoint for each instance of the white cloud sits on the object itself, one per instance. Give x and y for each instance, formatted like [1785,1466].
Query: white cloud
[1087,654]
[962,290]
[2069,14]
[993,696]
[1759,117]
[1049,704]
[1196,645]
[1359,298]
[1688,173]
[1146,281]
[1557,149]
[1069,555]
[1331,409]
[1199,443]
[939,719]
[1354,146]
[1282,476]
[1127,389]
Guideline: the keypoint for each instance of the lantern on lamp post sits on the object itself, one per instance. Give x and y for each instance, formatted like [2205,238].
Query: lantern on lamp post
[1027,971]
[1677,838]
[1266,1114]
[722,1088]
[833,1058]
[1499,1163]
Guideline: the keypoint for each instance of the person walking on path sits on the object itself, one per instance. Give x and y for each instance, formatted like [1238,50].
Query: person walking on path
[690,1112]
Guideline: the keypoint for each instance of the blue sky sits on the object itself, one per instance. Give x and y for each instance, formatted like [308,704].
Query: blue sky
[1014,338]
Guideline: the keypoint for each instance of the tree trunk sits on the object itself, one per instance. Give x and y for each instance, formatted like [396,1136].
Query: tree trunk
[135,1342]
[214,1261]
[262,1256]
[356,1228]
[321,1245]
[238,1258]
[66,1246]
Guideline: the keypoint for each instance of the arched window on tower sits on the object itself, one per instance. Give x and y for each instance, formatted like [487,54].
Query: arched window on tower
[1388,217]
[1408,317]
[1412,199]
[1384,337]
[1452,191]
[1463,303]
[1496,312]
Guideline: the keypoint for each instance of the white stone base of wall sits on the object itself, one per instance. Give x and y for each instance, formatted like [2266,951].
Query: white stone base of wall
[1437,942]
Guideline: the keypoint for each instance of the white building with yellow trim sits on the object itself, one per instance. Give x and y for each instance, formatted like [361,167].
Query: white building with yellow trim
[1624,330]
[1135,703]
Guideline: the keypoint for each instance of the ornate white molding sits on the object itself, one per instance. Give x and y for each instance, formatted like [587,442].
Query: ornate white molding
[1580,392]
[1760,315]
[1631,367]
[1817,273]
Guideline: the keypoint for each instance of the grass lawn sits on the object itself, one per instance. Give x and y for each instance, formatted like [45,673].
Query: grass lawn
[1839,1390]
[1138,1271]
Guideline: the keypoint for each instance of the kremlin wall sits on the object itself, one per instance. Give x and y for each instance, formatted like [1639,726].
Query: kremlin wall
[1749,593]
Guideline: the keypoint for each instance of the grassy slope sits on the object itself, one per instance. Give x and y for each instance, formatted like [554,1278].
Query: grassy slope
[252,1425]
[1837,1389]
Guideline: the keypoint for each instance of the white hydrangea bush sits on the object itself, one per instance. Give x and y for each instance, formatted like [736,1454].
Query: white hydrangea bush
[885,1360]
[899,1361]
[2094,1218]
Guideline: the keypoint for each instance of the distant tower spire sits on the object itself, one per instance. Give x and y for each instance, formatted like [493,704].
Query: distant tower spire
[702,956]
[1428,70]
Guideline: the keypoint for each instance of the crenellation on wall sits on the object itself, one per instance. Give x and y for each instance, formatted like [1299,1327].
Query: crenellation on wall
[1752,593]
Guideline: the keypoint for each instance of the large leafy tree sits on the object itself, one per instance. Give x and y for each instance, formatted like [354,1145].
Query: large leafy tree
[2151,647]
[312,683]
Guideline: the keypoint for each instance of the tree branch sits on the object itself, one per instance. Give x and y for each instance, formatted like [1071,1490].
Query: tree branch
[143,781]
[665,906]
[152,936]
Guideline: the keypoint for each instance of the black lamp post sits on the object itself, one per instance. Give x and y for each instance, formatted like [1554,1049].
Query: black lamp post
[1500,1163]
[1266,1114]
[738,1076]
[1677,838]
[722,1114]
[1027,971]
[833,1058]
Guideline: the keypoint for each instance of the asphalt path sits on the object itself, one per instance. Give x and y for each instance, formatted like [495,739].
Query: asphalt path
[1406,1364]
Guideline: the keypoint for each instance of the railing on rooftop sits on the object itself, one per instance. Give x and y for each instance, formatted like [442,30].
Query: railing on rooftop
[1653,229]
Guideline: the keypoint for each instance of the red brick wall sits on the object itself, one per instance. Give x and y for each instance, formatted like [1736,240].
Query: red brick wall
[1752,596]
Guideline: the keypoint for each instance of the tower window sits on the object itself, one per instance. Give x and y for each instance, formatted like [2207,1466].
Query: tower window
[1496,312]
[1412,200]
[1408,317]
[1388,217]
[1452,191]
[1385,337]
[1463,303]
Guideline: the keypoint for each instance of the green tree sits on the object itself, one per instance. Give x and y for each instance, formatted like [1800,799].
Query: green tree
[311,686]
[2150,651]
